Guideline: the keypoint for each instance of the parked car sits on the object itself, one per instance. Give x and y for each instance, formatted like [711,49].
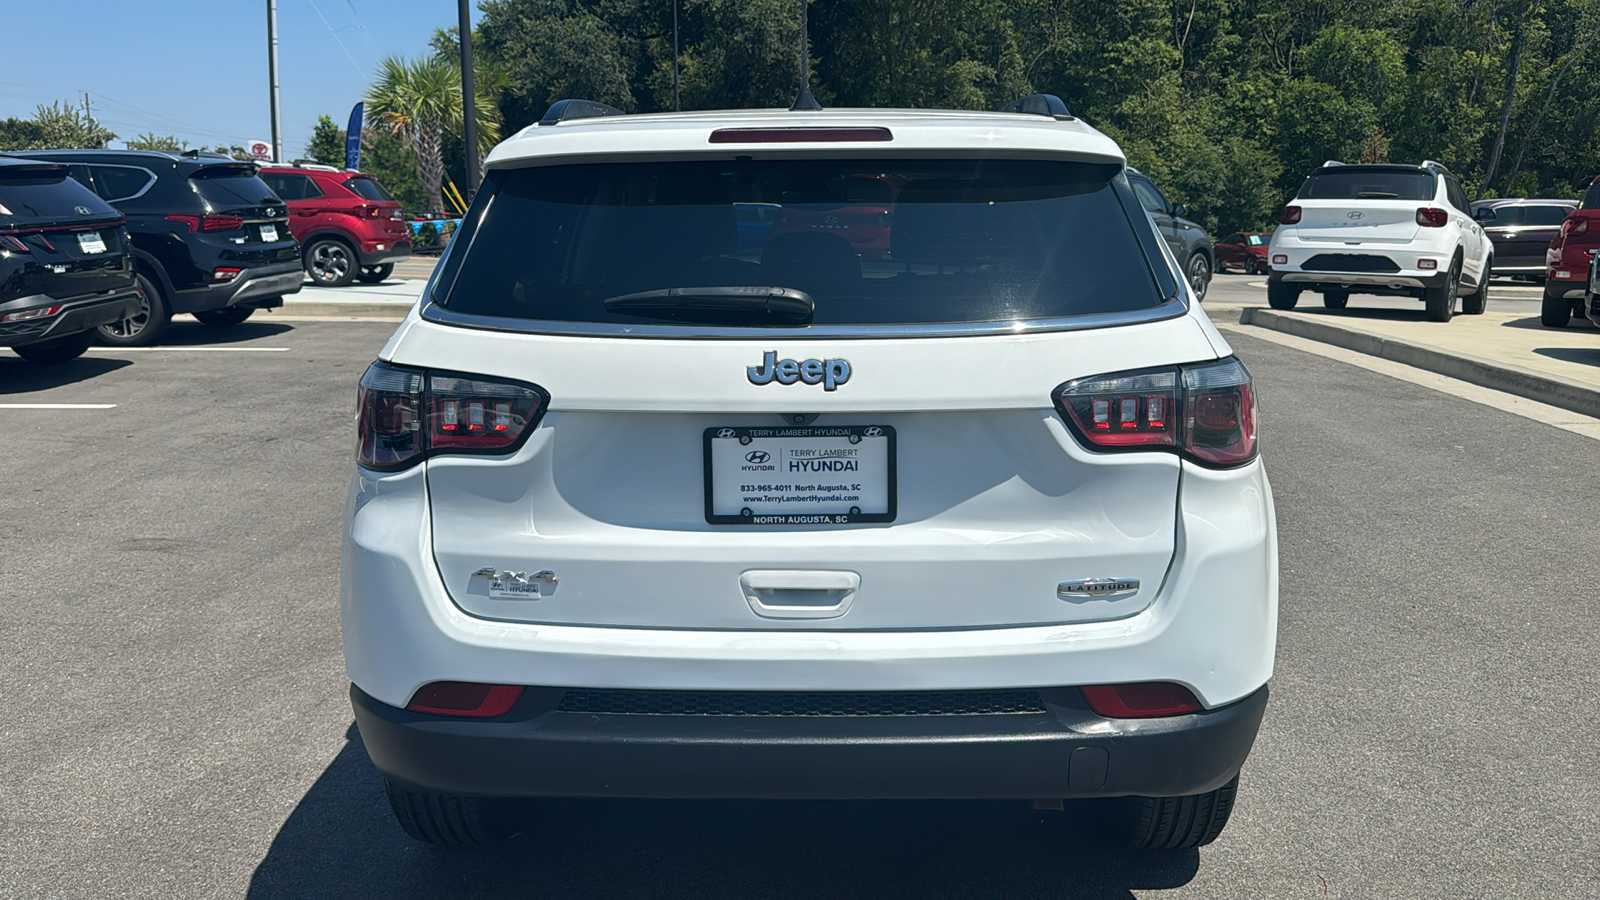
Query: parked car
[636,513]
[1244,250]
[1381,228]
[1567,260]
[209,236]
[1189,242]
[1591,296]
[348,226]
[1521,231]
[65,263]
[859,209]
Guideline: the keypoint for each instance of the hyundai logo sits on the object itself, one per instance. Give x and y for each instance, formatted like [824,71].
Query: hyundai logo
[757,457]
[82,210]
[271,211]
[1356,214]
[727,433]
[872,431]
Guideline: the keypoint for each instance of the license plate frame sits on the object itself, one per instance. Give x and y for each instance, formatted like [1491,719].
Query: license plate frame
[829,439]
[91,243]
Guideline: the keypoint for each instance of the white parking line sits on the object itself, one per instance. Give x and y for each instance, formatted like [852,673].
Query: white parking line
[189,349]
[58,406]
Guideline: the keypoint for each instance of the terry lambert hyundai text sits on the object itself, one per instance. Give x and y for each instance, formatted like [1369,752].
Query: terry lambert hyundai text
[828,454]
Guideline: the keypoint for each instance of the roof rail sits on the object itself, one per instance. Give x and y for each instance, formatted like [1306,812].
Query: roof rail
[1333,162]
[567,110]
[1039,105]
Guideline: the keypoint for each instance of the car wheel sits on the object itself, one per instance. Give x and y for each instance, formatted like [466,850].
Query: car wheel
[57,350]
[1476,302]
[1556,310]
[1174,823]
[1257,267]
[222,318]
[1335,299]
[1199,273]
[375,274]
[1441,300]
[450,820]
[143,327]
[330,263]
[1281,295]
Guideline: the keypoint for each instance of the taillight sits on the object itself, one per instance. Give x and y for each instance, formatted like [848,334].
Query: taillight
[1574,226]
[208,222]
[1289,216]
[792,135]
[1204,411]
[223,275]
[13,244]
[38,312]
[404,415]
[465,698]
[1432,217]
[1142,700]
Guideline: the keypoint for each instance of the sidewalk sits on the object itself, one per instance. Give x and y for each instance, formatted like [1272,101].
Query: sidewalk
[1508,352]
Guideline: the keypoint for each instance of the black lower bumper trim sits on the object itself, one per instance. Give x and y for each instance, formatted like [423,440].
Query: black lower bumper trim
[77,316]
[1064,751]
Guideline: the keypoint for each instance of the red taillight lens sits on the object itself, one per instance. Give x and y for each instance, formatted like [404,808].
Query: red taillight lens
[405,414]
[1574,226]
[465,698]
[798,135]
[209,222]
[223,275]
[1432,217]
[1143,700]
[1205,411]
[13,244]
[1289,216]
[38,312]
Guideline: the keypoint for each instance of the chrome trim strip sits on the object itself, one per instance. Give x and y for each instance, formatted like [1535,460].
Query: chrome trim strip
[1171,309]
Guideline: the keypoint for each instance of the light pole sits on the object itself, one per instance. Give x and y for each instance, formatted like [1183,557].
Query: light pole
[272,77]
[676,105]
[469,99]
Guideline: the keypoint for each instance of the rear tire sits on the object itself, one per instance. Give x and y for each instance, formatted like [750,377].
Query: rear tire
[330,262]
[1198,271]
[222,318]
[1335,299]
[1441,300]
[1556,310]
[375,274]
[1281,295]
[1176,823]
[452,821]
[57,350]
[1476,302]
[143,327]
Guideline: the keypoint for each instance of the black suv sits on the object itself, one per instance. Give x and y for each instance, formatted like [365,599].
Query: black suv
[65,266]
[209,237]
[1190,244]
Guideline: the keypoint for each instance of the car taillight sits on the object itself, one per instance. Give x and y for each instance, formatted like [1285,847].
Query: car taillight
[223,275]
[465,698]
[404,415]
[1142,700]
[1289,216]
[1574,226]
[38,312]
[13,244]
[208,222]
[1204,411]
[1432,217]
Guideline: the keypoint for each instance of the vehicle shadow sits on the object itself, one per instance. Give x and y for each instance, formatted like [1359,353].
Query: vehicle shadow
[1578,323]
[1587,357]
[184,332]
[340,841]
[18,376]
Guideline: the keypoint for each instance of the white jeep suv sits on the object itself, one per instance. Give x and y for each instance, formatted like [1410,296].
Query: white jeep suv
[1381,229]
[929,481]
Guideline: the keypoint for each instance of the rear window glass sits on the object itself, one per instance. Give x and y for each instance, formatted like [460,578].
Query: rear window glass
[1591,197]
[1352,183]
[873,242]
[227,187]
[1544,215]
[32,195]
[367,189]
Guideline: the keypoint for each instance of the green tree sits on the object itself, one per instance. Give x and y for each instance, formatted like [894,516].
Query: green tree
[59,126]
[153,141]
[420,100]
[327,143]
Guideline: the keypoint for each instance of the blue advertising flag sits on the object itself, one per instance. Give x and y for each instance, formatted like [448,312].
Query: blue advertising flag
[352,138]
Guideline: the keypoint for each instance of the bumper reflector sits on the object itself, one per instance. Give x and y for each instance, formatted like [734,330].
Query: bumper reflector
[1280,259]
[1141,700]
[465,698]
[1427,264]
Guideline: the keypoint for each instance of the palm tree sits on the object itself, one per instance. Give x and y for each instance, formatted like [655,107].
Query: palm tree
[421,99]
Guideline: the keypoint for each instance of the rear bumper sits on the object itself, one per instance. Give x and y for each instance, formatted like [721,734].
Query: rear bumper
[250,288]
[370,255]
[78,314]
[1066,751]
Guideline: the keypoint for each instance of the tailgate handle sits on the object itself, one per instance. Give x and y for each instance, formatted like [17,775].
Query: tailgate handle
[799,593]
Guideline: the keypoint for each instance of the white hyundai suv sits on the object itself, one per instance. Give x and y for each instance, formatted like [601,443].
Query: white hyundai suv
[1381,229]
[929,481]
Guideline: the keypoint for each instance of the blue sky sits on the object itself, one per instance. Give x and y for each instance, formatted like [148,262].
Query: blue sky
[198,68]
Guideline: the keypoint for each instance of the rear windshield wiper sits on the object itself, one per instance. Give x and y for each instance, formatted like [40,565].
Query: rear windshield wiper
[744,303]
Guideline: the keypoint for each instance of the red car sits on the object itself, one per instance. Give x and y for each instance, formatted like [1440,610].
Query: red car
[1567,260]
[1245,250]
[348,226]
[858,209]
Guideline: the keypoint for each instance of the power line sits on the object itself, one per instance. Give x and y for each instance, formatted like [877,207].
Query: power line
[359,70]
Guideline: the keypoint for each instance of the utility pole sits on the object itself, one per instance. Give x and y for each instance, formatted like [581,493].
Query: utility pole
[676,105]
[272,77]
[469,100]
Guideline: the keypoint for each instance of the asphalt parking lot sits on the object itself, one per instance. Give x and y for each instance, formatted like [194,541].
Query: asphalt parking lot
[176,722]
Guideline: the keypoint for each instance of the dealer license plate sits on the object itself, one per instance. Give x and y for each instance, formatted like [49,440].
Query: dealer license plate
[818,475]
[91,242]
[269,234]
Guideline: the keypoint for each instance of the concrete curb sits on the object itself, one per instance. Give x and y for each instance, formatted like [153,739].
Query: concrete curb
[1550,389]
